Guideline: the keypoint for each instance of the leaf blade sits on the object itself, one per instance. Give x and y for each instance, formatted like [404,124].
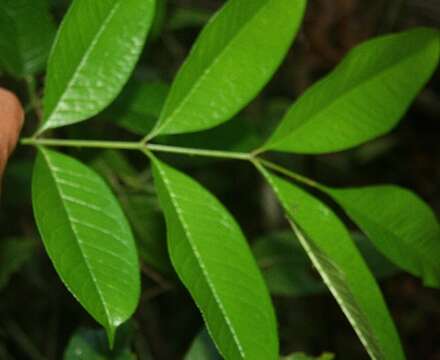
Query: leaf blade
[85,235]
[363,98]
[108,37]
[342,268]
[27,32]
[234,57]
[208,250]
[399,224]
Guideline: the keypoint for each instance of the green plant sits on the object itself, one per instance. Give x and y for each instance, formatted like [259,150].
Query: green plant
[85,231]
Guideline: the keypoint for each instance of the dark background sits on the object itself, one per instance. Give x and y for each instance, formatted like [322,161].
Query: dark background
[38,315]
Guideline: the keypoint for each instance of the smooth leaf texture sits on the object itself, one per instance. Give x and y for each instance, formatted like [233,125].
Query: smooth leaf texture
[399,224]
[88,344]
[233,58]
[95,51]
[333,253]
[363,98]
[27,31]
[87,237]
[213,260]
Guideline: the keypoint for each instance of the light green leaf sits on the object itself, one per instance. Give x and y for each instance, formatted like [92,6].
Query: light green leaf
[202,348]
[13,254]
[94,53]
[88,344]
[233,58]
[87,237]
[27,31]
[214,261]
[332,251]
[399,224]
[139,106]
[363,98]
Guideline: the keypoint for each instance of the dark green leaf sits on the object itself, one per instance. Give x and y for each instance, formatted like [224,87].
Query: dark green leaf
[302,356]
[87,237]
[399,224]
[213,260]
[202,348]
[13,254]
[333,253]
[234,57]
[95,52]
[139,106]
[27,31]
[88,344]
[363,98]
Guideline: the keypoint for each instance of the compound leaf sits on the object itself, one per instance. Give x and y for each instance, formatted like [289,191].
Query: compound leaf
[95,51]
[233,58]
[333,253]
[213,260]
[87,237]
[363,98]
[27,31]
[399,224]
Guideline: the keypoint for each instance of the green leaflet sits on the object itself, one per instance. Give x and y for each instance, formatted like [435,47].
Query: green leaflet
[363,98]
[95,51]
[27,31]
[399,224]
[329,246]
[234,57]
[87,238]
[213,260]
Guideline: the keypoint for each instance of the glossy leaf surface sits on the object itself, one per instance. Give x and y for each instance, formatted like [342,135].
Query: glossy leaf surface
[333,253]
[363,98]
[213,260]
[87,237]
[233,58]
[97,47]
[399,224]
[27,31]
[302,356]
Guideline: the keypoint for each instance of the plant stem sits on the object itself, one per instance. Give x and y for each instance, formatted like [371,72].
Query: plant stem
[198,152]
[282,170]
[146,148]
[123,145]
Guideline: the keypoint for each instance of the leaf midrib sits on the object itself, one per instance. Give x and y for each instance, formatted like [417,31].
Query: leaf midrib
[83,61]
[351,89]
[74,231]
[163,124]
[202,267]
